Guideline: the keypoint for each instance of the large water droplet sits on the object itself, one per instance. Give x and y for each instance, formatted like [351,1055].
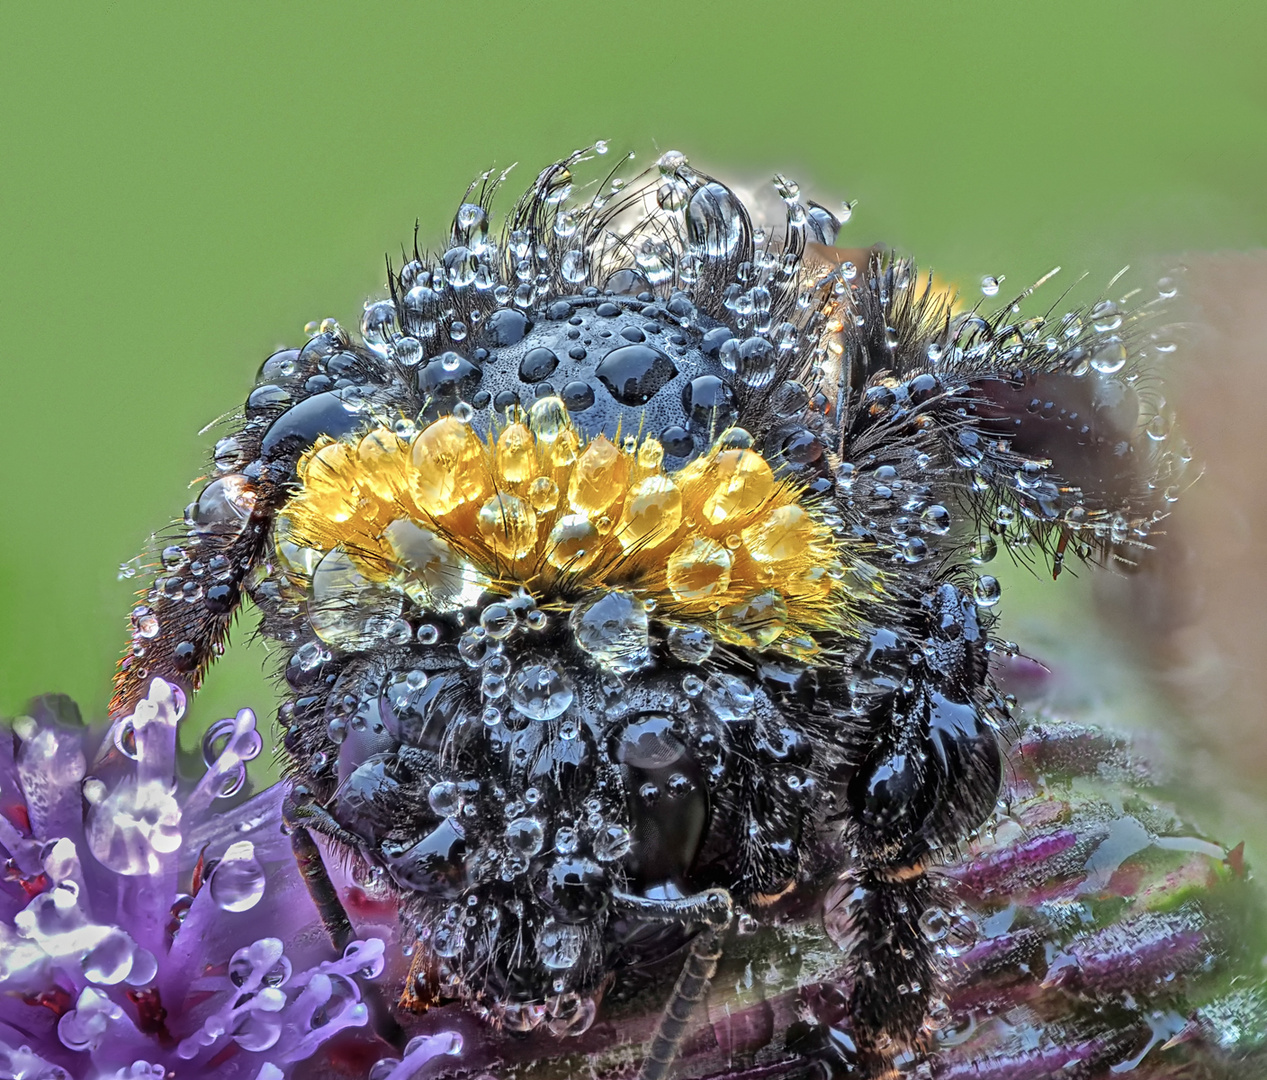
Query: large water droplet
[634,373]
[574,267]
[559,945]
[730,698]
[135,827]
[348,609]
[612,628]
[110,961]
[237,883]
[223,507]
[714,220]
[987,590]
[525,836]
[444,798]
[690,644]
[539,691]
[429,570]
[1109,356]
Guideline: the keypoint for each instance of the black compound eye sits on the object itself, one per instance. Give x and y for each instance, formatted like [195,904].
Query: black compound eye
[332,413]
[650,744]
[668,801]
[435,865]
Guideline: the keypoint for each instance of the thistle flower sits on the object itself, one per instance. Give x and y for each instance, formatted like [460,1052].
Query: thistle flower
[109,969]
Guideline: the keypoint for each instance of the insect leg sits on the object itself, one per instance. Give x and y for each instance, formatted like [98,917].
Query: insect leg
[714,908]
[181,624]
[299,817]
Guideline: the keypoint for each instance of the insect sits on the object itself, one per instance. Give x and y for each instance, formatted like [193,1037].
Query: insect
[621,573]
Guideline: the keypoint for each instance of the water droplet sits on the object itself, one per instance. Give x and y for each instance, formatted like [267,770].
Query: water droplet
[934,924]
[613,629]
[983,549]
[755,622]
[990,285]
[714,220]
[598,478]
[633,374]
[548,418]
[612,842]
[575,266]
[538,364]
[525,836]
[824,226]
[652,514]
[936,520]
[378,326]
[673,194]
[237,882]
[447,470]
[448,941]
[784,533]
[730,698]
[987,590]
[744,481]
[559,945]
[444,798]
[539,691]
[508,525]
[573,543]
[690,644]
[698,568]
[110,960]
[1109,356]
[430,571]
[223,507]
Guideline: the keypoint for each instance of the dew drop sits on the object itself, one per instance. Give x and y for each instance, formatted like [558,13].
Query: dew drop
[714,221]
[612,628]
[987,590]
[539,691]
[237,882]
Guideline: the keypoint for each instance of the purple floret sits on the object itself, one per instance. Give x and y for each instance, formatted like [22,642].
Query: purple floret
[110,972]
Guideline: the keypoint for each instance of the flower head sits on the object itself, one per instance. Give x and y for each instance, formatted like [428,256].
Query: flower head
[111,969]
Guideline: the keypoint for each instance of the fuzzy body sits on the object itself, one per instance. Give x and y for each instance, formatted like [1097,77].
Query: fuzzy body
[526,792]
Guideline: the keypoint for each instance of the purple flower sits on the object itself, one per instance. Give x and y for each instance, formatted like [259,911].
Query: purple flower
[109,969]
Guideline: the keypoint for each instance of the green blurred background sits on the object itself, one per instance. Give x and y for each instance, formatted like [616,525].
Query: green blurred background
[182,187]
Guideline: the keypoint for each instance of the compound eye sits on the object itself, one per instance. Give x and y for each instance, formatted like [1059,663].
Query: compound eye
[434,866]
[301,425]
[668,801]
[369,800]
[575,889]
[649,743]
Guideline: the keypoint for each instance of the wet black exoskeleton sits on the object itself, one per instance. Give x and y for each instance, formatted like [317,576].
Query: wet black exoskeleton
[569,819]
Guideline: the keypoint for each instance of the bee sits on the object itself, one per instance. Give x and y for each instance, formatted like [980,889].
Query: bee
[622,575]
